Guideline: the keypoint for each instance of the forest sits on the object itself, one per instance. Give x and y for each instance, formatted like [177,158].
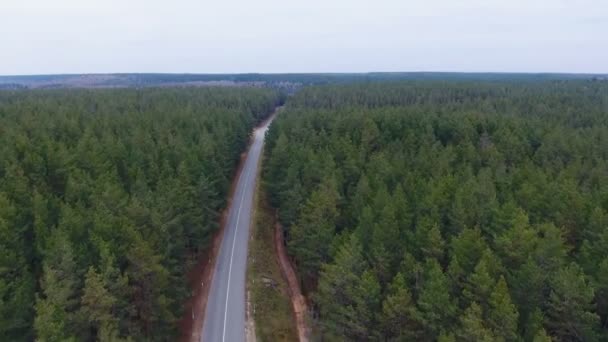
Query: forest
[284,82]
[448,211]
[106,198]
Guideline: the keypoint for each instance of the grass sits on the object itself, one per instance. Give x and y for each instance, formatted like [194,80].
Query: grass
[269,295]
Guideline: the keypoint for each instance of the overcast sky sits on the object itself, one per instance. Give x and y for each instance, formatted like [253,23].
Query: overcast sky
[216,36]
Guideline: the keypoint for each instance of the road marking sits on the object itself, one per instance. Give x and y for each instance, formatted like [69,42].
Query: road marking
[238,216]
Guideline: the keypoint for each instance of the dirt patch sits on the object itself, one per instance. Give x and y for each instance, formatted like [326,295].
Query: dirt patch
[298,301]
[250,329]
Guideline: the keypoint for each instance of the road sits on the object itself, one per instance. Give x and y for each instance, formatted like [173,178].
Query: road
[225,312]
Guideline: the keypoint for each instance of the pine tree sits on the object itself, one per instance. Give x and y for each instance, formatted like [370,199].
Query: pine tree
[412,272]
[41,221]
[529,284]
[337,291]
[386,239]
[472,326]
[533,326]
[365,228]
[367,304]
[601,294]
[117,286]
[148,281]
[550,252]
[399,314]
[456,275]
[570,312]
[312,234]
[468,247]
[362,197]
[293,197]
[517,241]
[429,240]
[98,305]
[479,285]
[437,308]
[17,283]
[276,168]
[56,317]
[403,209]
[542,336]
[502,313]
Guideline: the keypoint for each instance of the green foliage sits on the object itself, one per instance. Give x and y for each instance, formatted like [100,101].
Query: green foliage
[472,327]
[399,313]
[437,308]
[312,234]
[340,293]
[98,305]
[106,197]
[474,199]
[56,316]
[502,313]
[17,282]
[570,313]
[479,285]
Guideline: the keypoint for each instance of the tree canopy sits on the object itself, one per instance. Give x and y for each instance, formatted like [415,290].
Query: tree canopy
[463,210]
[106,197]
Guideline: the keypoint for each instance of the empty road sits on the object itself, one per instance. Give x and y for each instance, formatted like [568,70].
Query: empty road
[225,311]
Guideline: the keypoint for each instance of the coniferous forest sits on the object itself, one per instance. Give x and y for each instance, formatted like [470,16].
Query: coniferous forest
[418,210]
[106,197]
[450,211]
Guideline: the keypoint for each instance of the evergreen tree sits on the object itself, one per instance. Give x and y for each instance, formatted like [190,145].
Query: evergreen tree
[385,240]
[399,313]
[437,308]
[529,285]
[570,311]
[16,280]
[56,317]
[98,305]
[479,285]
[148,281]
[311,235]
[468,247]
[367,304]
[542,337]
[533,327]
[502,313]
[338,293]
[601,294]
[472,326]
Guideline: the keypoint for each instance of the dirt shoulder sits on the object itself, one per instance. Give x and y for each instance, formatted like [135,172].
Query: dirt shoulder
[298,301]
[270,314]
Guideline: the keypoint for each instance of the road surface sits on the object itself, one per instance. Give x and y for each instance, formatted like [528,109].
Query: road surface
[225,311]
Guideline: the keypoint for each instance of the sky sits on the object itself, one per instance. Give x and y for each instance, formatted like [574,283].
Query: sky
[278,36]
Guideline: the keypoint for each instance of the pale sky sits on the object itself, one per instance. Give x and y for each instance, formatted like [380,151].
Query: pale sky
[235,36]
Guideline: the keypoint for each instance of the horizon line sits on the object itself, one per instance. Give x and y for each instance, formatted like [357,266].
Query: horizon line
[309,73]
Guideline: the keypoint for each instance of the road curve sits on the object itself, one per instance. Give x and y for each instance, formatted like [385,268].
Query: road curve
[225,312]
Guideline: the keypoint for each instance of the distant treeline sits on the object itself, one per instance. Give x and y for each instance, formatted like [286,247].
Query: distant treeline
[106,197]
[287,81]
[451,211]
[323,78]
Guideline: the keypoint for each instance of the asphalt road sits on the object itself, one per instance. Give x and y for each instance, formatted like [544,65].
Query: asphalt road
[225,312]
